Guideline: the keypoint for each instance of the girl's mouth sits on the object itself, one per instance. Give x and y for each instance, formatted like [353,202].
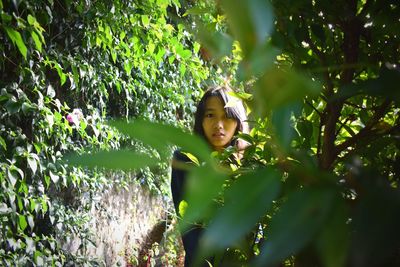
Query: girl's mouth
[218,135]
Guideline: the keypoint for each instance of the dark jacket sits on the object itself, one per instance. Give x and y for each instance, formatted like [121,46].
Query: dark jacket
[190,237]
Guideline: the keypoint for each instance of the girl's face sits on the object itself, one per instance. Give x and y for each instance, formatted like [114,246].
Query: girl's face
[218,128]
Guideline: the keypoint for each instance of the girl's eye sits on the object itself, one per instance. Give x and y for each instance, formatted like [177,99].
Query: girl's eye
[209,115]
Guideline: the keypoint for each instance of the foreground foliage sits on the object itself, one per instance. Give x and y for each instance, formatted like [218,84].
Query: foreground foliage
[327,125]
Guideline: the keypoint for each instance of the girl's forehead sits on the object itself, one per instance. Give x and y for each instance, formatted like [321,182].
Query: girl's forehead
[214,102]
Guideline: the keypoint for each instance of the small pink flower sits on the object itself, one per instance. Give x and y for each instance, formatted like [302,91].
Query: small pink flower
[75,116]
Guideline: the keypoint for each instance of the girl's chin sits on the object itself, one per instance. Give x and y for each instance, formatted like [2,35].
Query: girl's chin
[219,146]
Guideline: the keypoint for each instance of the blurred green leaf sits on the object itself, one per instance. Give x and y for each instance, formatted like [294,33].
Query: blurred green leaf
[117,160]
[334,240]
[305,128]
[215,44]
[203,185]
[159,136]
[318,31]
[375,221]
[385,85]
[282,123]
[240,214]
[295,224]
[251,21]
[278,87]
[196,11]
[258,62]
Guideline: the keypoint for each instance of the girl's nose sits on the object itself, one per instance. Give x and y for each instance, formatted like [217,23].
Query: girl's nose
[219,124]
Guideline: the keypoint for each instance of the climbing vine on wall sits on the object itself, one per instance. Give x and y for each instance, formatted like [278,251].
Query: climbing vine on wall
[66,67]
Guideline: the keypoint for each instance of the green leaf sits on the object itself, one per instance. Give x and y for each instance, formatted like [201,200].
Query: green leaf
[13,173]
[160,54]
[182,69]
[31,20]
[295,224]
[171,59]
[50,91]
[333,241]
[113,55]
[215,44]
[196,11]
[159,136]
[257,63]
[251,21]
[145,20]
[305,128]
[4,97]
[318,31]
[47,180]
[16,38]
[385,85]
[6,18]
[203,185]
[182,208]
[282,123]
[22,187]
[128,67]
[54,177]
[60,72]
[13,106]
[27,108]
[279,87]
[3,143]
[116,159]
[19,202]
[37,41]
[260,187]
[32,204]
[31,221]
[37,256]
[44,206]
[375,220]
[191,157]
[22,224]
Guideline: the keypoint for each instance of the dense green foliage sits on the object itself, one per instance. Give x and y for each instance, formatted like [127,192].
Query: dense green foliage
[66,67]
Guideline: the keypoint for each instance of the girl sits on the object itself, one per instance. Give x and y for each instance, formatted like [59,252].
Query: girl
[218,119]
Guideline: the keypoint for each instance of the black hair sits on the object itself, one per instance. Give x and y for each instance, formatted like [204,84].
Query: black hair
[235,111]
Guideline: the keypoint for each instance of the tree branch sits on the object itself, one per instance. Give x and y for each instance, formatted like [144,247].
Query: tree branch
[351,30]
[367,130]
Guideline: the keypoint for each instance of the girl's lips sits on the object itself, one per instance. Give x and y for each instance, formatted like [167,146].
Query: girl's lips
[218,135]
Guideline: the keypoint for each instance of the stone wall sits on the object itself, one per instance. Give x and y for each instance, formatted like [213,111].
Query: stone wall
[122,221]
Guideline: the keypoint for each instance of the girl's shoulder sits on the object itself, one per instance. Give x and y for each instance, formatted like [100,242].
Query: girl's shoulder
[181,156]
